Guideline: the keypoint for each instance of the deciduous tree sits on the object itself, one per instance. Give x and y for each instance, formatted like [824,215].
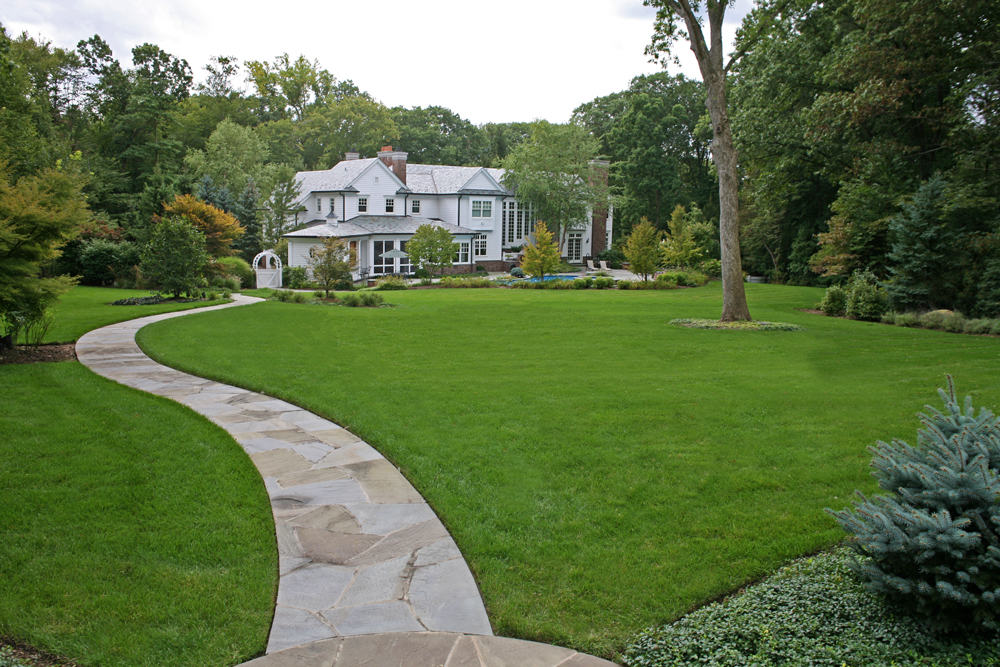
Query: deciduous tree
[331,263]
[174,259]
[219,228]
[642,249]
[680,18]
[431,248]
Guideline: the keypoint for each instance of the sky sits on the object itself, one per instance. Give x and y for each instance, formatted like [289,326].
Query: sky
[511,60]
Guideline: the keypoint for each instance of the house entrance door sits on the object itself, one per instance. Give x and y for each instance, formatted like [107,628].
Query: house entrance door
[574,246]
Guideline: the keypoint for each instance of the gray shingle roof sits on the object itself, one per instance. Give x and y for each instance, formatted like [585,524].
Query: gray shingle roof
[428,179]
[363,225]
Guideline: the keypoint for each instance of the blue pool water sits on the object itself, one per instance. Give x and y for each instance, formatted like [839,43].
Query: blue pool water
[555,277]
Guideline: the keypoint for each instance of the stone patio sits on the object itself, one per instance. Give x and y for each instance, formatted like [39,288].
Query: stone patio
[360,551]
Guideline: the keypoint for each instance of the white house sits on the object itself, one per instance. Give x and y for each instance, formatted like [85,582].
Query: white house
[376,204]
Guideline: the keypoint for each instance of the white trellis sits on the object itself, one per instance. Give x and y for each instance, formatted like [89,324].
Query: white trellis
[267,266]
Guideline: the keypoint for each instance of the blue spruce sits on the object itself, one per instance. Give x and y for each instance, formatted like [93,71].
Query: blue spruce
[932,544]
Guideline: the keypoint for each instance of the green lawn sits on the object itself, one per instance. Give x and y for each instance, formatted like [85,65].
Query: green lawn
[85,308]
[134,532]
[601,470]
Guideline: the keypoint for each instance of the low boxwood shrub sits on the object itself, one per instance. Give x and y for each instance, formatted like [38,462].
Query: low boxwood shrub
[978,326]
[906,319]
[150,300]
[932,545]
[371,299]
[583,283]
[603,282]
[517,272]
[556,284]
[449,281]
[813,611]
[834,301]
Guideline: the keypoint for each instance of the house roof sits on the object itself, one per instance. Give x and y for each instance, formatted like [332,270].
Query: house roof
[366,225]
[427,179]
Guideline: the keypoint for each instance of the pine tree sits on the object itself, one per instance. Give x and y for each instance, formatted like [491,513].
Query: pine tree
[933,544]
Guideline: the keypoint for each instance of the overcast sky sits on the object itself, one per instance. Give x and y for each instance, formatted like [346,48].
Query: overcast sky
[511,60]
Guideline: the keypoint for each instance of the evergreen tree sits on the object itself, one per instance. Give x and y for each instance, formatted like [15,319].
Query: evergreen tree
[642,249]
[542,255]
[174,259]
[922,242]
[934,542]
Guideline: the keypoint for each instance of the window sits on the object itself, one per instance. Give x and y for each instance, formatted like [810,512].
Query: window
[462,256]
[574,246]
[362,204]
[416,206]
[380,264]
[517,225]
[319,204]
[479,245]
[482,208]
[390,204]
[405,267]
[332,202]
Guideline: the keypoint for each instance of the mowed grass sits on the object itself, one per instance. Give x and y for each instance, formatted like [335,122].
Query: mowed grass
[84,308]
[601,470]
[134,532]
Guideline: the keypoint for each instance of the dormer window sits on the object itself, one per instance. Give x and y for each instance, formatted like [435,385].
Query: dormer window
[362,204]
[390,204]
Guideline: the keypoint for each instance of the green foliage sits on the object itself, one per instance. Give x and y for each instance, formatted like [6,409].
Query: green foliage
[389,283]
[613,256]
[219,228]
[294,277]
[436,135]
[361,299]
[431,248]
[933,541]
[517,272]
[174,259]
[711,267]
[541,256]
[866,299]
[834,301]
[680,248]
[552,170]
[604,282]
[37,215]
[810,612]
[583,283]
[467,281]
[642,249]
[331,263]
[106,262]
[238,268]
[745,325]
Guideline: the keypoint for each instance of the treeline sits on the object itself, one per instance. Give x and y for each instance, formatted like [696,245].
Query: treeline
[139,137]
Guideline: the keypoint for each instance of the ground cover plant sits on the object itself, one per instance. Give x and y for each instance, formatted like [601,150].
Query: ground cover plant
[602,470]
[813,611]
[125,542]
[84,308]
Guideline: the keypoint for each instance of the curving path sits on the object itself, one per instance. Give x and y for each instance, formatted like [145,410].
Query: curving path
[368,573]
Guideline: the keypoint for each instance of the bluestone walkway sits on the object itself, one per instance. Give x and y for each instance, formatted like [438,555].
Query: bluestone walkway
[368,573]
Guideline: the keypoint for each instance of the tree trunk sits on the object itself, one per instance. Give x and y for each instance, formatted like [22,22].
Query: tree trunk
[734,300]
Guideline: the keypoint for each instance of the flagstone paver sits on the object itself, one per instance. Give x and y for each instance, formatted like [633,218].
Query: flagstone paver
[361,554]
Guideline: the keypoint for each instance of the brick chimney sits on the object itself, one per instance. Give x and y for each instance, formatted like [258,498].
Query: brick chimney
[395,160]
[599,231]
[352,155]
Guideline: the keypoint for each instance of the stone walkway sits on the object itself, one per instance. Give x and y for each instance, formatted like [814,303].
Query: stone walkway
[361,554]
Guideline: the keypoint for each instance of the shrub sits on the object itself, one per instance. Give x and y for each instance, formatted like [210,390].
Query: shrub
[813,611]
[426,281]
[933,542]
[231,283]
[300,297]
[711,267]
[834,301]
[294,277]
[352,299]
[935,319]
[282,295]
[422,273]
[604,282]
[481,269]
[995,329]
[666,281]
[613,256]
[371,299]
[906,319]
[955,323]
[583,283]
[556,284]
[388,283]
[150,300]
[978,326]
[626,284]
[105,262]
[866,299]
[517,272]
[174,259]
[238,268]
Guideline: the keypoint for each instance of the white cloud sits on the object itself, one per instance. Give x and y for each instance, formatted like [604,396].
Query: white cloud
[501,61]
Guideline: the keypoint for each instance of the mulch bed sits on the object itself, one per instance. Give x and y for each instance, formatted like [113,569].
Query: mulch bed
[23,354]
[33,656]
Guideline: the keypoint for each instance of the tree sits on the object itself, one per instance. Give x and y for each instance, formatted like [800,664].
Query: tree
[287,88]
[934,541]
[642,249]
[552,170]
[37,215]
[432,248]
[351,124]
[680,248]
[541,256]
[233,156]
[278,199]
[219,228]
[436,135]
[174,259]
[331,263]
[713,73]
